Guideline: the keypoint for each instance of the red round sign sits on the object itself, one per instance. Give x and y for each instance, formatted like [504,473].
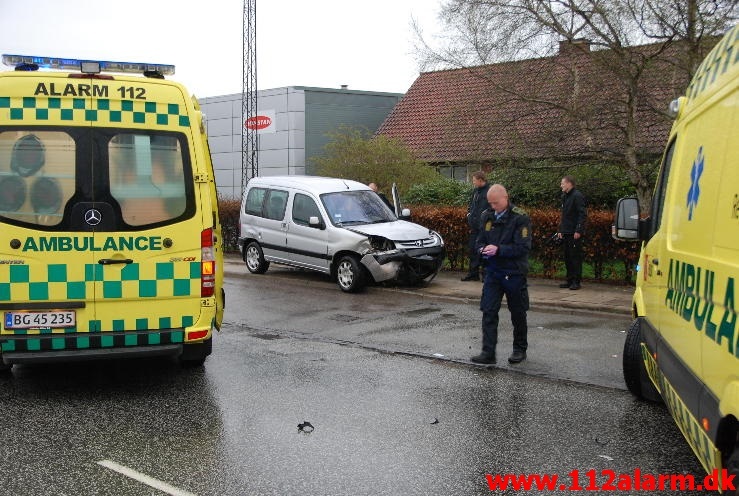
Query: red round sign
[257,122]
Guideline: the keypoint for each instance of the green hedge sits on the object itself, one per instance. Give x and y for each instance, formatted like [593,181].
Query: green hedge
[601,250]
[229,213]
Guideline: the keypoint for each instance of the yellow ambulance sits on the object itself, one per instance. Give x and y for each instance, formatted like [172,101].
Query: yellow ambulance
[111,243]
[683,345]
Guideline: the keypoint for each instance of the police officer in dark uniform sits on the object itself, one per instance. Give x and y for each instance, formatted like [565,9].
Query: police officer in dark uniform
[504,243]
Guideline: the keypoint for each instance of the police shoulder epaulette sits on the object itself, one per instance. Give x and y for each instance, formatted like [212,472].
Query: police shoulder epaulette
[519,211]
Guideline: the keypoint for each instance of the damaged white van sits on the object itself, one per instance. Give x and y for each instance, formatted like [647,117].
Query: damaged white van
[336,226]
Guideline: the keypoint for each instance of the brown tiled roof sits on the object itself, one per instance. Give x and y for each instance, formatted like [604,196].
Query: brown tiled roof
[523,109]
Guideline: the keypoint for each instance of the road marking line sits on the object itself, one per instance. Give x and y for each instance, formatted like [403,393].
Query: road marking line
[143,478]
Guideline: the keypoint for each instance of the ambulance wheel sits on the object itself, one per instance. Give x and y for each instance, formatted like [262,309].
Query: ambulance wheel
[349,274]
[254,258]
[732,466]
[194,355]
[635,374]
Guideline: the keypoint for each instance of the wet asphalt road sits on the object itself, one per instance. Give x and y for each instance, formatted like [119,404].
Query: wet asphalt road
[584,348]
[385,423]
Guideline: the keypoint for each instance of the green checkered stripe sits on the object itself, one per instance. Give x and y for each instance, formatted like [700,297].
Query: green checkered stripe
[42,108]
[57,342]
[65,282]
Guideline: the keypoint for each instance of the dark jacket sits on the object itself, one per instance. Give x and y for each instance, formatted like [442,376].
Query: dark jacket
[478,204]
[386,201]
[574,212]
[512,235]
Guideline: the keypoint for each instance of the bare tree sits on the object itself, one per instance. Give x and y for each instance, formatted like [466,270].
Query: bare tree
[628,43]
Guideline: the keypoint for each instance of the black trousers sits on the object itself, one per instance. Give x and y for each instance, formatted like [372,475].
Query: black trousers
[573,257]
[515,289]
[474,254]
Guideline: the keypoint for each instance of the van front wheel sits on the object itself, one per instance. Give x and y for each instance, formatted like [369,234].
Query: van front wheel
[254,258]
[635,373]
[349,274]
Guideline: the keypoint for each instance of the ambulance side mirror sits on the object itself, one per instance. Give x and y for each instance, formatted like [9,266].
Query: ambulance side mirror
[626,225]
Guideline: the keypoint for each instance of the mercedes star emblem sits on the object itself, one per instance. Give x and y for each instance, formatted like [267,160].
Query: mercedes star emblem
[93,217]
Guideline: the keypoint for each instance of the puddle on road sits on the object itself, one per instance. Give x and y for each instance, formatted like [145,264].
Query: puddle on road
[419,311]
[343,318]
[266,336]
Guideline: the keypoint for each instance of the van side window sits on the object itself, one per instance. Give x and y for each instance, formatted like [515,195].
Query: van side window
[304,208]
[275,207]
[254,201]
[658,201]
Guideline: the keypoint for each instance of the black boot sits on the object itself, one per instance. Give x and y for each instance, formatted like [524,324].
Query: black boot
[517,356]
[484,357]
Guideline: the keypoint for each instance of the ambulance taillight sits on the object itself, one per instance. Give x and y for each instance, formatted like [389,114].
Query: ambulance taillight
[207,264]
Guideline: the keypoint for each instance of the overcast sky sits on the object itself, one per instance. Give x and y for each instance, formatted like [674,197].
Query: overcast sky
[323,43]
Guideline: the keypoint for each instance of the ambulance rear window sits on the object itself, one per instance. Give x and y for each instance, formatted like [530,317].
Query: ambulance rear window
[50,176]
[147,177]
[37,171]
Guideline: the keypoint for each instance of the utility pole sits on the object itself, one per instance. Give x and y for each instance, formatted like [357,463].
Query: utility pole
[249,136]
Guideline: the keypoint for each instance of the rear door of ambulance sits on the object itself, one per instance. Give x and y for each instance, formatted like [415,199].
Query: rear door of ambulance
[148,270]
[47,291]
[108,233]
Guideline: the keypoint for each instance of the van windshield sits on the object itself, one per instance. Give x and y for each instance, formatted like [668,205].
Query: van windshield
[356,207]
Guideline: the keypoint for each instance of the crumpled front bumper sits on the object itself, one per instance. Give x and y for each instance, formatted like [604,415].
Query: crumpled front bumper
[388,265]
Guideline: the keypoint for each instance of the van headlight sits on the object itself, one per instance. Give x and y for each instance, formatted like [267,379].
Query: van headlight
[438,237]
[381,243]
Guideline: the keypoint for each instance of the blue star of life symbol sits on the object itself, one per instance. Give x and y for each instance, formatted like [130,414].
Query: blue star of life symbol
[695,175]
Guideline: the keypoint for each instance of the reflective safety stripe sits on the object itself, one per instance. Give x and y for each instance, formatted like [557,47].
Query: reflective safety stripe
[39,108]
[50,342]
[62,281]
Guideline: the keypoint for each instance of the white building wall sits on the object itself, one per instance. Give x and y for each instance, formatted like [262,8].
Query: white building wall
[280,152]
[284,145]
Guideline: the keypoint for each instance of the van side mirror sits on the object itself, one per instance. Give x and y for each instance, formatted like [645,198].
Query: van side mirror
[626,221]
[315,222]
[405,214]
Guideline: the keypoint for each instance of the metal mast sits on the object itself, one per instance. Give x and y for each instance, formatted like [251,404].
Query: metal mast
[249,137]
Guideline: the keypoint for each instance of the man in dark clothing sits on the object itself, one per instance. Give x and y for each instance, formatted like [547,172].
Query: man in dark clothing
[504,243]
[571,229]
[478,204]
[382,196]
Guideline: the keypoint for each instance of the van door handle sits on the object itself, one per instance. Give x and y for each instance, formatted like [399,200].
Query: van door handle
[655,262]
[111,261]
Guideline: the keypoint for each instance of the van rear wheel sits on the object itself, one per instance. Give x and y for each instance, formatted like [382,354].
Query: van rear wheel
[635,374]
[254,258]
[349,274]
